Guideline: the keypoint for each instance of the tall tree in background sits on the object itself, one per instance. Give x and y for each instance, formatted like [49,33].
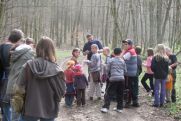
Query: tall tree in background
[67,22]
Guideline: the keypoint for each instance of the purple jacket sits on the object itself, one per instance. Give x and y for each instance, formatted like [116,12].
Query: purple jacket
[80,81]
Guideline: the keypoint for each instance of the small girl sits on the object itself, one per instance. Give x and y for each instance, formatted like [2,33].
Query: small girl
[70,91]
[149,73]
[169,85]
[80,84]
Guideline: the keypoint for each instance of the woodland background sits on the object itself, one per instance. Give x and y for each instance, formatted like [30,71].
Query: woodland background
[67,22]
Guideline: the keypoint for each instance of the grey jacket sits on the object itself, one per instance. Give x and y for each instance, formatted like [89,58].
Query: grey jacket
[117,69]
[95,63]
[17,60]
[44,85]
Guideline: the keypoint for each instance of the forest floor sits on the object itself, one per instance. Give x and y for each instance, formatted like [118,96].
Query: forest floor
[91,111]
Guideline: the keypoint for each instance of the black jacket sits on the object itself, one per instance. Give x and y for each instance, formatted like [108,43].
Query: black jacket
[159,66]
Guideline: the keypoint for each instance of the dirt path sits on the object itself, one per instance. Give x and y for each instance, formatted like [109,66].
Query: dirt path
[91,111]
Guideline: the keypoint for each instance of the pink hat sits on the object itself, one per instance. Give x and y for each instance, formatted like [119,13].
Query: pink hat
[78,67]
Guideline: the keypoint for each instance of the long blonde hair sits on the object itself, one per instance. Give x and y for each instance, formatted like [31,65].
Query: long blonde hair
[160,52]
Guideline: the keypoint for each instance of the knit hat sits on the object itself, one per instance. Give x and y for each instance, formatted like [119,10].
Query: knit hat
[70,63]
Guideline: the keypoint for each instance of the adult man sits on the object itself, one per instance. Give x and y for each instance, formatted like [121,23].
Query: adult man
[19,56]
[87,46]
[130,57]
[4,58]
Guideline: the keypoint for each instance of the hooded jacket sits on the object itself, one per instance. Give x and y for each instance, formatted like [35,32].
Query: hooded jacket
[17,60]
[159,66]
[43,84]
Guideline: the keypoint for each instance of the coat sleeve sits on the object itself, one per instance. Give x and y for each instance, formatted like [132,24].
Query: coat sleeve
[153,65]
[86,81]
[17,101]
[58,86]
[93,61]
[20,86]
[75,82]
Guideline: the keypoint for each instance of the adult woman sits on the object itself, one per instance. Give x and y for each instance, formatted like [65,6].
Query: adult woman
[159,66]
[42,80]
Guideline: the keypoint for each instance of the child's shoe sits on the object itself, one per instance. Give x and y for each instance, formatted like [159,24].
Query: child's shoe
[118,110]
[104,110]
[136,105]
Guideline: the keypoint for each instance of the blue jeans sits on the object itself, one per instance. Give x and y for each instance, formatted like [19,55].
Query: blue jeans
[29,118]
[6,112]
[159,93]
[16,116]
[69,100]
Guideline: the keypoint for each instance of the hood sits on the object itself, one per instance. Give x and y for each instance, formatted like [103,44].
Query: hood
[23,54]
[42,68]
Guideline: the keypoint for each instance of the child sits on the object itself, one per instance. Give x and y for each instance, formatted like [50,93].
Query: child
[105,74]
[106,53]
[139,71]
[169,85]
[75,55]
[173,65]
[117,68]
[80,83]
[159,66]
[130,57]
[94,67]
[139,61]
[70,91]
[149,73]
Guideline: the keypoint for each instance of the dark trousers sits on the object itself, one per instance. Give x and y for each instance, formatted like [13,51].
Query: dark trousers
[173,95]
[132,86]
[69,98]
[145,85]
[114,88]
[80,93]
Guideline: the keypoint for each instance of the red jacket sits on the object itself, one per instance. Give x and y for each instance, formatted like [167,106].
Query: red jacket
[69,74]
[132,51]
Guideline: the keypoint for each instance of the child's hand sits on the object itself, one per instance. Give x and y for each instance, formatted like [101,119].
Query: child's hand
[85,61]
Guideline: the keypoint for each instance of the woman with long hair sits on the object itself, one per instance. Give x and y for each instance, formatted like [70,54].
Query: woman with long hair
[42,84]
[159,67]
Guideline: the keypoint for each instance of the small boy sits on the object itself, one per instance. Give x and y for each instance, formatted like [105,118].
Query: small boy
[139,71]
[70,91]
[80,84]
[75,55]
[106,53]
[94,69]
[169,85]
[117,68]
[139,61]
[105,74]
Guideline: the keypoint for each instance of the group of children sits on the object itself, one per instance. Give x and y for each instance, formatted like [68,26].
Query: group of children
[121,71]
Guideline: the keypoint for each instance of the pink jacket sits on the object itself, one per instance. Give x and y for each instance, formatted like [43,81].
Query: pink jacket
[147,64]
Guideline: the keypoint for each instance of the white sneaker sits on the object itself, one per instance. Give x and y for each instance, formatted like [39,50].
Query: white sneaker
[114,109]
[104,110]
[118,110]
